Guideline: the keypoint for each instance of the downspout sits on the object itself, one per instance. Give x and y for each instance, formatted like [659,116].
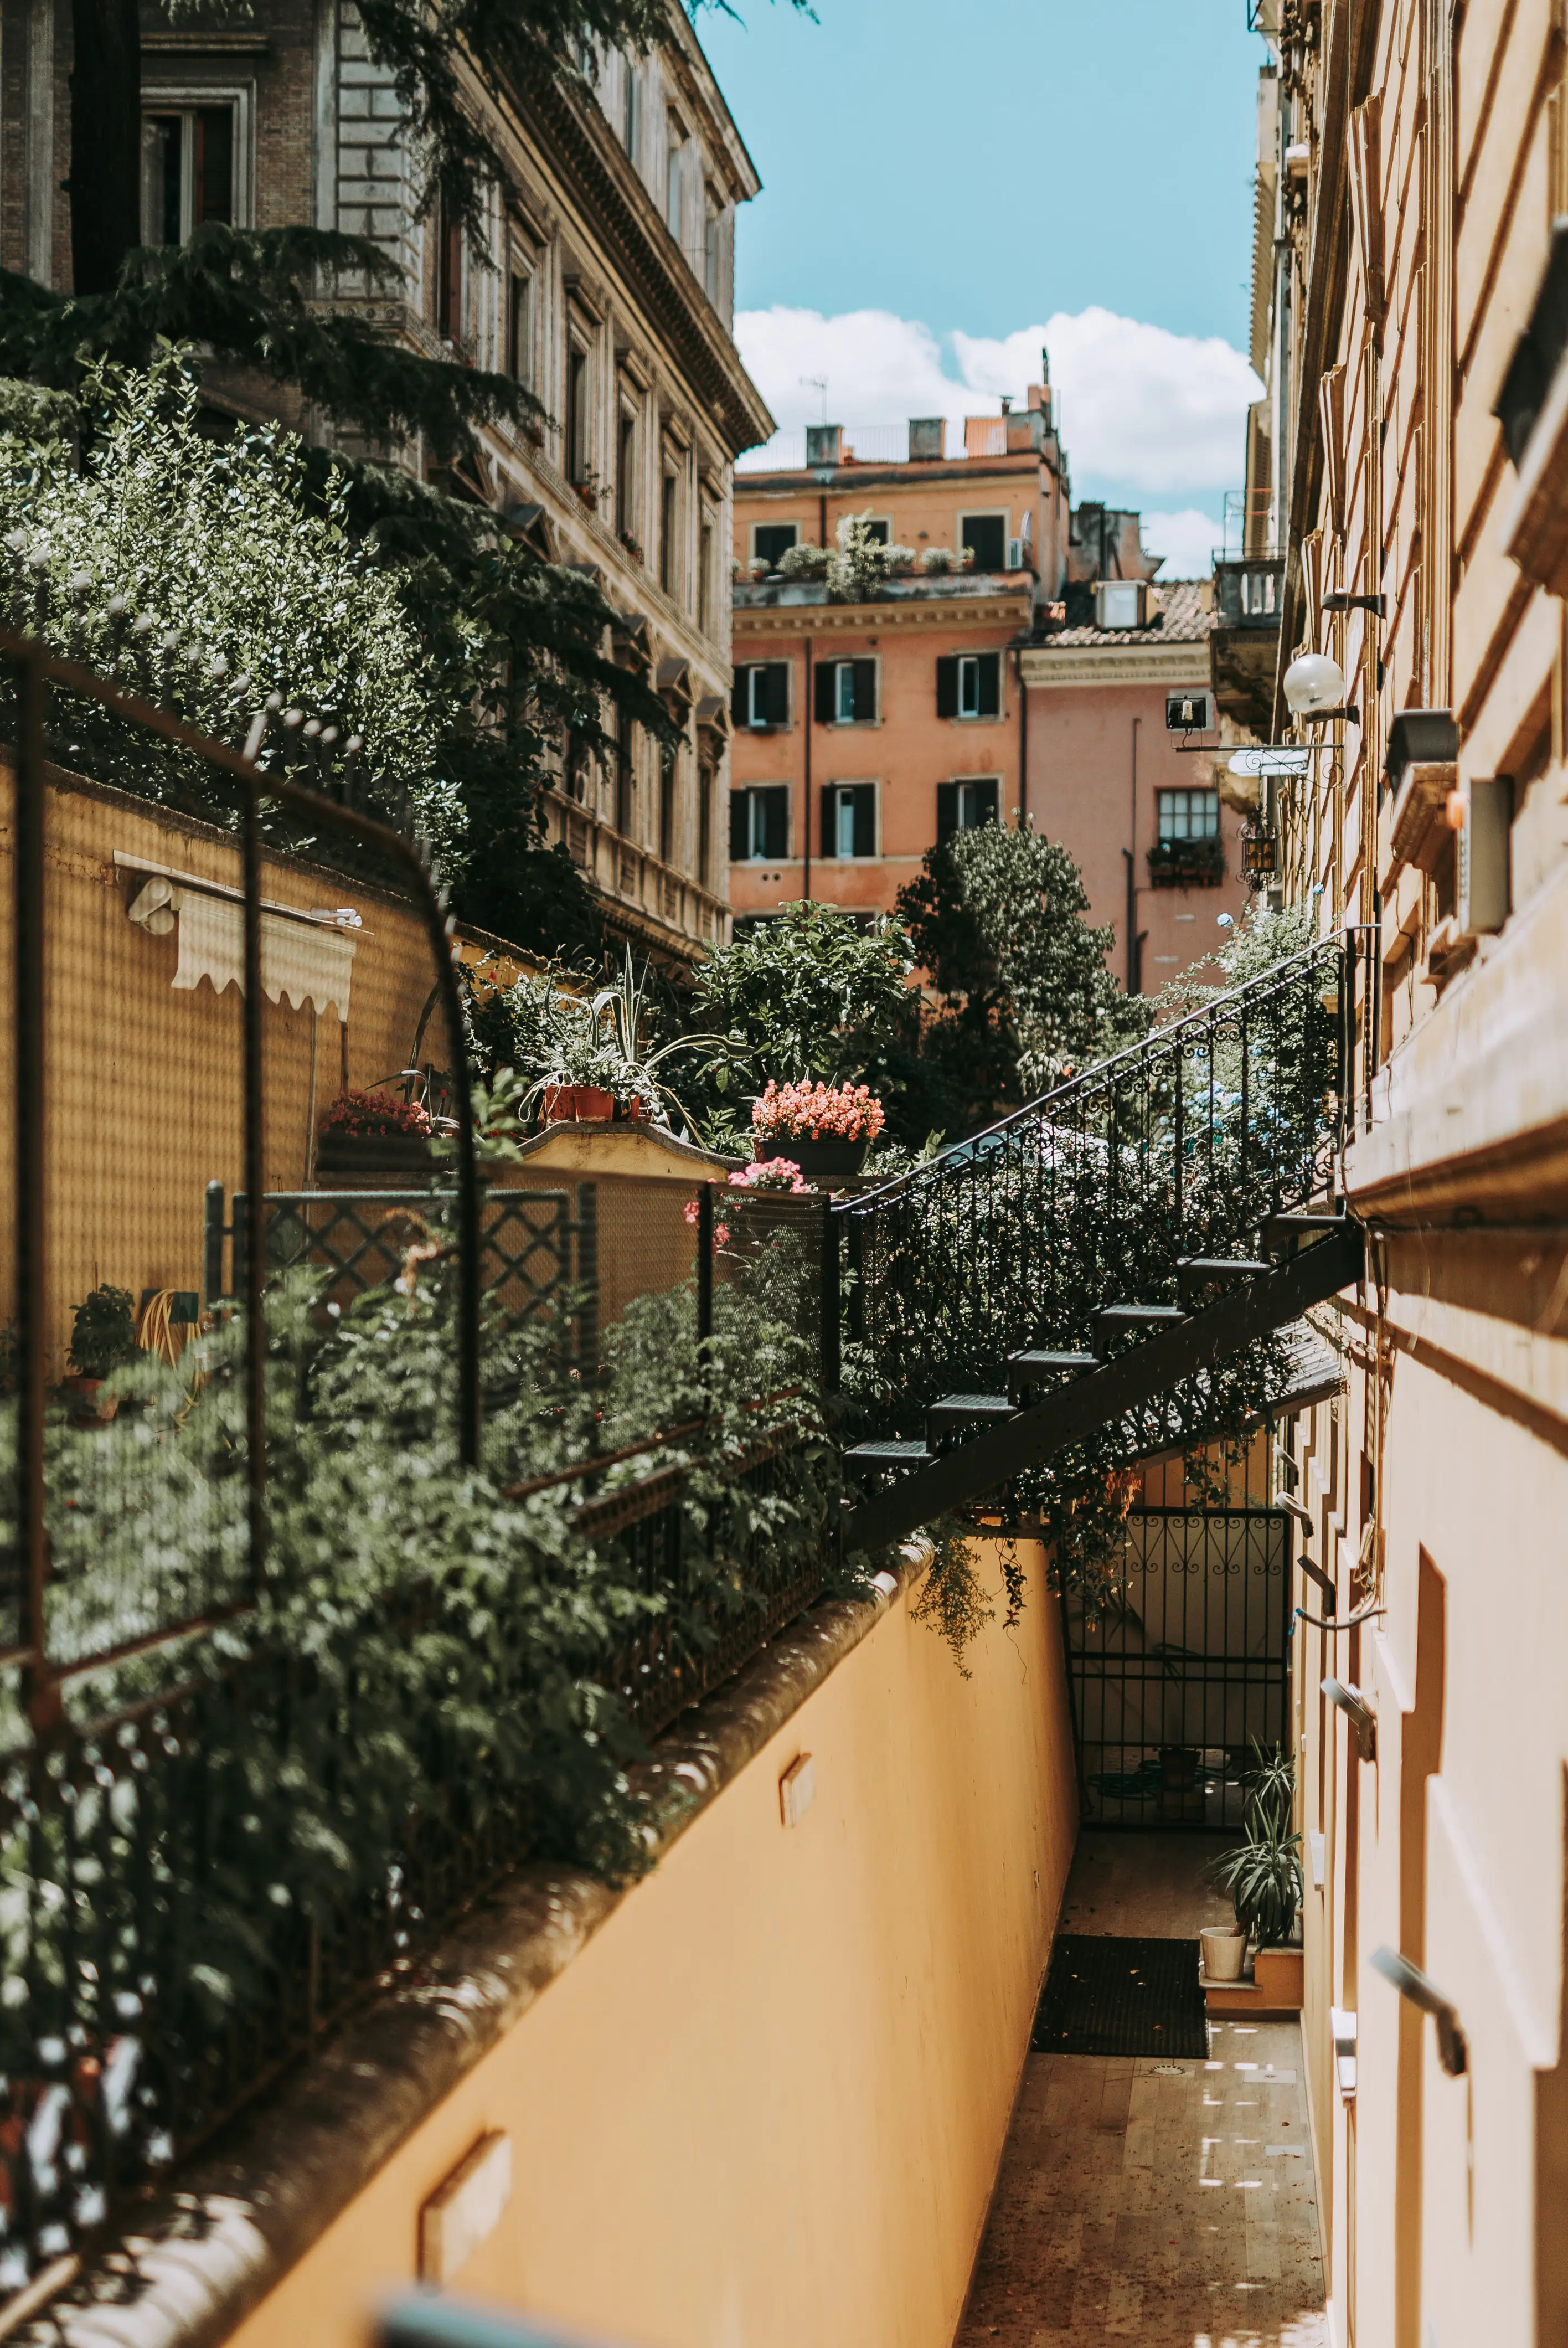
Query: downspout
[809,718]
[1131,853]
[1022,745]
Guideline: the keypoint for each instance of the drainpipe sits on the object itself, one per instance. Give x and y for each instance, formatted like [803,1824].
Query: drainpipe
[1022,744]
[1131,853]
[808,720]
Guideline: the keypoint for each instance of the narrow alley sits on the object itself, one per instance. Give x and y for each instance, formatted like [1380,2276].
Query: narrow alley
[1140,2198]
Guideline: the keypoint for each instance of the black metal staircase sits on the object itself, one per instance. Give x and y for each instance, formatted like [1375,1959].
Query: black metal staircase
[1131,1234]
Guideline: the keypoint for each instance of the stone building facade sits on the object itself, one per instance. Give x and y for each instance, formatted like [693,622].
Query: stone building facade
[607,290]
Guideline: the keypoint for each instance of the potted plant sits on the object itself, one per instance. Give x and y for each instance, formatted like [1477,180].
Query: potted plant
[828,1127]
[103,1340]
[374,1133]
[1263,1873]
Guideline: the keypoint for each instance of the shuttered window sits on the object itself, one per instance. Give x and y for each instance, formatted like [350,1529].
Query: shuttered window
[761,697]
[845,693]
[987,536]
[849,819]
[964,806]
[772,539]
[970,684]
[759,824]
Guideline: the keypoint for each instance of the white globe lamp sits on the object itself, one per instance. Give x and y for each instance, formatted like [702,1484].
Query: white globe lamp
[1313,684]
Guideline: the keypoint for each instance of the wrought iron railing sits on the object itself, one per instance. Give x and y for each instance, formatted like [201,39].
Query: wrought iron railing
[1178,1146]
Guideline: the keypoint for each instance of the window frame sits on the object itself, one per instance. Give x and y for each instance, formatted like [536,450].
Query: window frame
[959,785]
[1002,514]
[842,797]
[191,97]
[756,552]
[756,674]
[838,664]
[576,419]
[632,109]
[522,320]
[1188,794]
[753,795]
[626,426]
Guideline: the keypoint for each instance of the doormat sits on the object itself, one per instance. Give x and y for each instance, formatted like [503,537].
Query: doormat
[1109,1996]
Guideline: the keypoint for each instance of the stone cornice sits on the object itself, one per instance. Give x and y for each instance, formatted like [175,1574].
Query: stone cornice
[991,611]
[624,216]
[1117,665]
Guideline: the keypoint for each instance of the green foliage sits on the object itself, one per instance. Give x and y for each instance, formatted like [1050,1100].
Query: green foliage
[858,564]
[1021,991]
[103,1333]
[1263,1874]
[952,1598]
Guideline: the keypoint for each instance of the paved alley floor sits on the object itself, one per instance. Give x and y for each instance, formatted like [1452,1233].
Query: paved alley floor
[1169,2204]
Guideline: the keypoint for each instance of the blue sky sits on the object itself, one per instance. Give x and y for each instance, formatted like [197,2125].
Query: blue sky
[944,180]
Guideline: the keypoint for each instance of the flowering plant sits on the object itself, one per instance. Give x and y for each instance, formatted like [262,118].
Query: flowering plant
[770,1174]
[376,1115]
[818,1112]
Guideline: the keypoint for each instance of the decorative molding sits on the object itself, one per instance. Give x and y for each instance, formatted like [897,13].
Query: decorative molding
[879,619]
[1117,665]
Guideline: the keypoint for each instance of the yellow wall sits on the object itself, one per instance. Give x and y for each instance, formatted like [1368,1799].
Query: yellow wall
[765,2107]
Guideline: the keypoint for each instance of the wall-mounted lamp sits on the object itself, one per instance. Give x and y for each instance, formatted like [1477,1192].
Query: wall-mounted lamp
[1359,1712]
[1376,604]
[1412,1984]
[1315,689]
[1294,1509]
[1325,1581]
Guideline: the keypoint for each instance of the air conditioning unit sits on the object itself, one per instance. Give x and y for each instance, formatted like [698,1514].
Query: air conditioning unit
[1121,602]
[1190,712]
[1015,554]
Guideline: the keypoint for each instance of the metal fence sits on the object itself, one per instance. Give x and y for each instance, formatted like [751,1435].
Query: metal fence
[1180,1146]
[187,1573]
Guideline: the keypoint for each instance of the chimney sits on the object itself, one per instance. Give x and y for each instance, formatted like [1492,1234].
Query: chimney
[927,438]
[824,444]
[1026,431]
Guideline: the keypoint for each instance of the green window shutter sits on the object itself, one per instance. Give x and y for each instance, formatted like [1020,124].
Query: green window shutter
[828,845]
[990,667]
[740,826]
[777,693]
[947,688]
[776,821]
[864,690]
[947,809]
[739,711]
[826,681]
[986,801]
[866,819]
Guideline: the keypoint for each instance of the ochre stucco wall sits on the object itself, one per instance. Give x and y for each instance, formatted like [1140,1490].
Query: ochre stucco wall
[764,2107]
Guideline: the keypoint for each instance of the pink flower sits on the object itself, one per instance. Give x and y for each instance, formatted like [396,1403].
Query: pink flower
[770,1174]
[818,1112]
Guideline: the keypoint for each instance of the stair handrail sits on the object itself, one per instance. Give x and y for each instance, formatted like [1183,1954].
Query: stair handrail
[1160,1041]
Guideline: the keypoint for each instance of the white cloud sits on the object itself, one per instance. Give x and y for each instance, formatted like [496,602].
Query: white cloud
[1187,540]
[1161,414]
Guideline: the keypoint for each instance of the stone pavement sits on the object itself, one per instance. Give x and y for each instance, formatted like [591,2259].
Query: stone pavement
[1169,2204]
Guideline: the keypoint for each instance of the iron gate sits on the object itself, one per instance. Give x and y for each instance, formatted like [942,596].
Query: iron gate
[1187,1666]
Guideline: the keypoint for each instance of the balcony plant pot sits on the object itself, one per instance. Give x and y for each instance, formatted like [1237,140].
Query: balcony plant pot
[86,1407]
[1224,1948]
[826,1157]
[1280,1975]
[578,1105]
[362,1155]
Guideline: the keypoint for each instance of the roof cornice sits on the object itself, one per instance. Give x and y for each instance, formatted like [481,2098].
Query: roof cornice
[1180,664]
[1002,611]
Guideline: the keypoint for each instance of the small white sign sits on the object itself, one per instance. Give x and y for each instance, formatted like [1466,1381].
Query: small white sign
[1268,760]
[466,2210]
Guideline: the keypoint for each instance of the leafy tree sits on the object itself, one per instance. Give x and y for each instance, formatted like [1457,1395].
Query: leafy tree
[1021,991]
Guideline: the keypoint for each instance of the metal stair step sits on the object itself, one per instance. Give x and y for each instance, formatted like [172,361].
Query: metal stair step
[1199,1272]
[963,1409]
[1035,1364]
[890,1454]
[1280,1230]
[1136,1320]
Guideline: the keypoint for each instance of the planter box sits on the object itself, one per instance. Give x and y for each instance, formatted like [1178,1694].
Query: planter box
[811,1157]
[1278,1974]
[374,1156]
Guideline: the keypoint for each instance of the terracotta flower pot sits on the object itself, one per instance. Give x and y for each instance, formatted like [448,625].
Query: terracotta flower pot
[578,1105]
[811,1156]
[86,1409]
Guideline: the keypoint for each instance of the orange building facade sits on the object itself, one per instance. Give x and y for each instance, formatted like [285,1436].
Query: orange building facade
[1017,661]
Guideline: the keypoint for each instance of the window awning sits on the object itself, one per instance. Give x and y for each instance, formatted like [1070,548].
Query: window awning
[306,957]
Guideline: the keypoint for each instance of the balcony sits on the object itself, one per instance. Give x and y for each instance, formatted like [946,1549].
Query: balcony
[1243,644]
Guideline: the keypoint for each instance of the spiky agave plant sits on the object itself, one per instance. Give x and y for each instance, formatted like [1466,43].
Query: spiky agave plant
[1263,1874]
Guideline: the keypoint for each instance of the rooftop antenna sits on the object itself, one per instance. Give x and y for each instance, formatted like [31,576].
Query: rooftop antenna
[818,383]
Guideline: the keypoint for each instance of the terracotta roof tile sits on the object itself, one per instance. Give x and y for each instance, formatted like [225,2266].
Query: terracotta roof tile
[1183,621]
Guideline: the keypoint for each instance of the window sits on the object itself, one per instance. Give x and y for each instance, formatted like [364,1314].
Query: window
[667,806]
[574,767]
[846,693]
[970,684]
[1188,815]
[449,278]
[705,579]
[879,530]
[667,533]
[761,693]
[631,108]
[711,256]
[705,826]
[625,772]
[987,536]
[759,824]
[964,806]
[521,327]
[672,176]
[187,171]
[849,819]
[772,539]
[575,453]
[626,476]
